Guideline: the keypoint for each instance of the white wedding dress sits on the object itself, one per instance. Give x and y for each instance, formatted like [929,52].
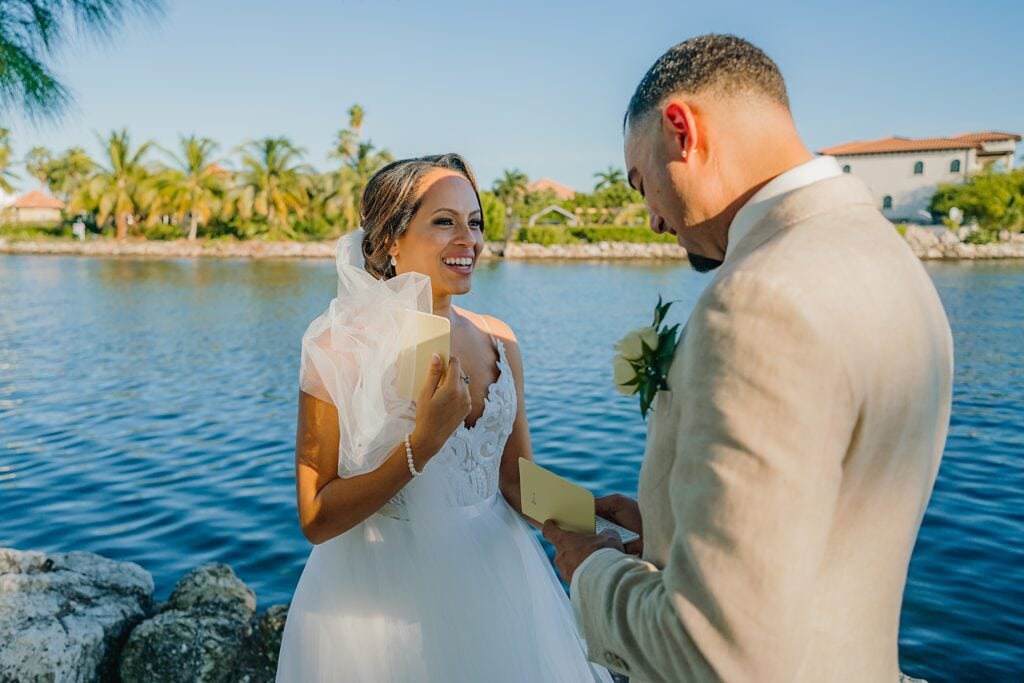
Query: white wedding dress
[470,600]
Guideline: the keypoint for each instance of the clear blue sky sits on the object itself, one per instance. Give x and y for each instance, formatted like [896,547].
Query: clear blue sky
[539,86]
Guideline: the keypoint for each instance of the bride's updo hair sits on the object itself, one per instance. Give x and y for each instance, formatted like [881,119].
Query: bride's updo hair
[391,199]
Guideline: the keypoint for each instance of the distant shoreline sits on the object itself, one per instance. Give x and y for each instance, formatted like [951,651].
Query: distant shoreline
[258,249]
[926,244]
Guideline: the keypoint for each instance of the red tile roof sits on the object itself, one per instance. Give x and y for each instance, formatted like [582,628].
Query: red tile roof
[900,144]
[561,191]
[988,136]
[37,200]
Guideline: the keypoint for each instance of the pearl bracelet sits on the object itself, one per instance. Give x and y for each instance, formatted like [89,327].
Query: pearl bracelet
[408,456]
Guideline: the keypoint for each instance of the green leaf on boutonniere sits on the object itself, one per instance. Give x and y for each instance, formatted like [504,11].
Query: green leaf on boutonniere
[667,344]
[646,398]
[660,311]
[651,351]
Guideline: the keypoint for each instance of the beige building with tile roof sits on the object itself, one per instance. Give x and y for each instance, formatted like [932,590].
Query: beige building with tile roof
[34,208]
[903,173]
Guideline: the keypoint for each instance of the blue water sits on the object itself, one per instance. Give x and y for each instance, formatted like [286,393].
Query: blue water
[147,412]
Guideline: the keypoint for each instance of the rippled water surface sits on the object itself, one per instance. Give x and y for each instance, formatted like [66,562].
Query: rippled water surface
[147,413]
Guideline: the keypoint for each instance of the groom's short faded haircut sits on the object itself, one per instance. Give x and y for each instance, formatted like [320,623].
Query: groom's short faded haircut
[725,63]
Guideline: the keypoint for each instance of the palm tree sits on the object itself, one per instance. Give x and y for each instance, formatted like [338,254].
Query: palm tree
[334,198]
[510,189]
[38,163]
[609,178]
[355,118]
[196,185]
[6,175]
[32,30]
[69,172]
[272,184]
[359,158]
[121,189]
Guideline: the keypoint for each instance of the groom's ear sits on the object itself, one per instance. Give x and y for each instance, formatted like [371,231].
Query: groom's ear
[678,119]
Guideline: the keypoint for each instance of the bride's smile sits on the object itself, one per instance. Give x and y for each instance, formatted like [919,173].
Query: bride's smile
[460,264]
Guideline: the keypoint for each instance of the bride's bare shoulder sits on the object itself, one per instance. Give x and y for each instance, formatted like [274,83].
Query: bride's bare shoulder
[498,327]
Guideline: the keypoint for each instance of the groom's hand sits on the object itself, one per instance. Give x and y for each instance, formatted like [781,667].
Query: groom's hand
[625,512]
[572,548]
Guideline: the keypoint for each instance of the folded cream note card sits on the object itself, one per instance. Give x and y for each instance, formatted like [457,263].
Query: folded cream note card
[422,335]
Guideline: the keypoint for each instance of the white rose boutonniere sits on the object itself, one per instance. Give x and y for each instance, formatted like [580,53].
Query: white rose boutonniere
[644,357]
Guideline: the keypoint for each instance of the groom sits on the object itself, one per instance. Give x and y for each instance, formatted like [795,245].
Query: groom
[789,464]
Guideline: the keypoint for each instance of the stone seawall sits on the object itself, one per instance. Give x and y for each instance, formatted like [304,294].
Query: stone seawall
[931,244]
[927,244]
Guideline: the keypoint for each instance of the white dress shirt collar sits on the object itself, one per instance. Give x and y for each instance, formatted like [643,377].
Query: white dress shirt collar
[758,206]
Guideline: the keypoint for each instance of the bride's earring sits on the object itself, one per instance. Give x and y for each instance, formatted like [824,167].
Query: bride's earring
[394,263]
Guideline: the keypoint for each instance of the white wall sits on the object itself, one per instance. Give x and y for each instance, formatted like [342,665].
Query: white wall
[893,175]
[36,216]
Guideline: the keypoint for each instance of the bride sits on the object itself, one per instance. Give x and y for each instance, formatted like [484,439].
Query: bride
[422,568]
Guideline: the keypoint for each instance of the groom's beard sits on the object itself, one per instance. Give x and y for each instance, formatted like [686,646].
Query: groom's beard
[702,264]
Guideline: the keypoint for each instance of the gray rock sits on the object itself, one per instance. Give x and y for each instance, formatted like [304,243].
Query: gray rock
[213,588]
[63,617]
[258,662]
[949,238]
[184,646]
[920,239]
[200,634]
[966,251]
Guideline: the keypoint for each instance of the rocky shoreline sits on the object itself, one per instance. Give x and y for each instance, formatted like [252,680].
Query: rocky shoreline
[926,243]
[80,617]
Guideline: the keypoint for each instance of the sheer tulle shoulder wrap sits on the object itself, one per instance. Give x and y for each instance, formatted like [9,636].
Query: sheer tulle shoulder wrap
[349,355]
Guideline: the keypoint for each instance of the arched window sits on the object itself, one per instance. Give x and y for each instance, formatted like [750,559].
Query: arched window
[846,168]
[918,167]
[954,166]
[887,202]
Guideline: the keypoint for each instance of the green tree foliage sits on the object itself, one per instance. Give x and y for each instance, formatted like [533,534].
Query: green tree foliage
[993,200]
[63,175]
[272,186]
[31,31]
[272,194]
[69,172]
[123,188]
[192,190]
[609,178]
[37,163]
[360,159]
[534,202]
[591,234]
[494,217]
[6,161]
[510,189]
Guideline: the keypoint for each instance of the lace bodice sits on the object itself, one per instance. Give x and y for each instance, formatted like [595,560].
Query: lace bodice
[469,461]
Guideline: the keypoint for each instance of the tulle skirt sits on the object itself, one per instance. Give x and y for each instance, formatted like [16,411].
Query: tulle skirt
[472,600]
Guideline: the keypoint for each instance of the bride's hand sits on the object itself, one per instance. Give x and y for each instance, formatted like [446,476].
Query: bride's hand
[443,404]
[625,512]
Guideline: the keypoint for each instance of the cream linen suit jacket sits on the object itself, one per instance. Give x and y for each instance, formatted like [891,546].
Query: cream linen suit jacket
[789,463]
